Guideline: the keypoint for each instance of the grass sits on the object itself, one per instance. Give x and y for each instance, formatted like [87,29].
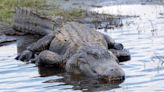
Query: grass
[7,7]
[68,15]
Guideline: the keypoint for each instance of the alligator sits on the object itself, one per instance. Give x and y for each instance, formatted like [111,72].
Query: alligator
[71,46]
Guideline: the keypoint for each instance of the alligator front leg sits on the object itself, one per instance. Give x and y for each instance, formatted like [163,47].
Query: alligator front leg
[36,47]
[117,49]
[122,55]
[48,58]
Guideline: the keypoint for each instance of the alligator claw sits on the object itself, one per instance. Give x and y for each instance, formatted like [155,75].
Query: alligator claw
[25,56]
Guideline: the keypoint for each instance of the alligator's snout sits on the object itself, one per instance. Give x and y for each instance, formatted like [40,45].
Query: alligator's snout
[115,75]
[112,74]
[113,80]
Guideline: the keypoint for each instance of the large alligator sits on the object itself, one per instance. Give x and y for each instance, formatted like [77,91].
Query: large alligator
[71,46]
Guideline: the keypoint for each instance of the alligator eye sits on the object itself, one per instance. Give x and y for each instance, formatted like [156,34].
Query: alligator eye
[95,56]
[81,60]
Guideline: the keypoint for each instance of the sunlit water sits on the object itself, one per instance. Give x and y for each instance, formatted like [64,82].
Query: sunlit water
[143,36]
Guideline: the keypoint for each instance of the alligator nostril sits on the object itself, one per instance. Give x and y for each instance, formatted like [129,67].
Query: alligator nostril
[114,70]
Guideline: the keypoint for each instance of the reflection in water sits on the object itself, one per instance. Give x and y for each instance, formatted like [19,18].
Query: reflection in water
[49,71]
[77,81]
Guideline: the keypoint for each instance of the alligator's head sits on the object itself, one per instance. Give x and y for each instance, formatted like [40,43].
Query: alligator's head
[96,62]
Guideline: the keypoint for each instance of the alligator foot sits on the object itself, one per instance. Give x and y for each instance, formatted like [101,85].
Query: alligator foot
[47,57]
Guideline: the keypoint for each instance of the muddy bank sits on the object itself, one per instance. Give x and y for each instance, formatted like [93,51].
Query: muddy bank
[7,34]
[101,21]
[89,16]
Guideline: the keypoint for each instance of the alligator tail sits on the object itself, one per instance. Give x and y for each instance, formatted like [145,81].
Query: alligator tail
[29,21]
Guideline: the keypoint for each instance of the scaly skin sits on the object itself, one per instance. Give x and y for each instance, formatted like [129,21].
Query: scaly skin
[71,46]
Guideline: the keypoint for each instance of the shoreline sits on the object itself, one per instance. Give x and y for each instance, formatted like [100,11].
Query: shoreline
[90,18]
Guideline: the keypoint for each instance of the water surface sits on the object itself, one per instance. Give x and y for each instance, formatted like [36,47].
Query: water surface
[143,36]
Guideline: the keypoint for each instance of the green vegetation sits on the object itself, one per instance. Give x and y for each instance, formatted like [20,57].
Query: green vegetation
[7,7]
[68,15]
